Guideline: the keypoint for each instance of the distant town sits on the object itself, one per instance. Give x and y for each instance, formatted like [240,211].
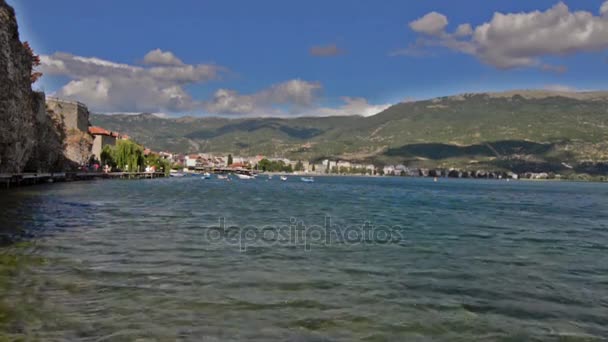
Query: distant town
[110,151]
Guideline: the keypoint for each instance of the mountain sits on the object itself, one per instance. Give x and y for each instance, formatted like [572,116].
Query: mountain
[525,130]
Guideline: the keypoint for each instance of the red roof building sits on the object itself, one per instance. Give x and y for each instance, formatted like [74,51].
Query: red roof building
[239,166]
[101,138]
[95,130]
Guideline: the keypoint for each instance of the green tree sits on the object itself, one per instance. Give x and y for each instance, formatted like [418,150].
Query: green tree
[159,163]
[107,156]
[264,165]
[128,155]
[299,166]
[229,161]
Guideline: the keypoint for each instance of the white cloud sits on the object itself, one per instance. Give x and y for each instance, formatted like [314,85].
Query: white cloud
[293,94]
[463,30]
[351,106]
[106,86]
[523,39]
[604,9]
[110,86]
[226,101]
[565,88]
[159,57]
[291,98]
[560,88]
[432,24]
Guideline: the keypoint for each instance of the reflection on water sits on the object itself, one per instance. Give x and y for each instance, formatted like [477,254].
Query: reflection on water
[470,260]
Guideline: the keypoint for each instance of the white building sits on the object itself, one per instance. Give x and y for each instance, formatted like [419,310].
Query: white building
[343,163]
[191,160]
[389,170]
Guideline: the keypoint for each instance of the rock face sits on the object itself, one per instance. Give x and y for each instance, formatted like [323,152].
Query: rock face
[48,151]
[29,137]
[17,138]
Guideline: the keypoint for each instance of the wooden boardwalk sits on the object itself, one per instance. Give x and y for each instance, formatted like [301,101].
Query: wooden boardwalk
[8,180]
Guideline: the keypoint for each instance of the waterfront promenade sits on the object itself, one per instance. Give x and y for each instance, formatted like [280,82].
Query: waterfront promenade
[8,180]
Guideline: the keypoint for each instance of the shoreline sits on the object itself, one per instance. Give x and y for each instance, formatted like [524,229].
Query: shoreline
[426,177]
[14,180]
[9,181]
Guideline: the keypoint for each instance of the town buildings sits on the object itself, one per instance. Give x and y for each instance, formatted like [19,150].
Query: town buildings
[101,138]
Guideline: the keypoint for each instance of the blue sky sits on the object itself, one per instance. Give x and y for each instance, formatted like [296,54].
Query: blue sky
[258,61]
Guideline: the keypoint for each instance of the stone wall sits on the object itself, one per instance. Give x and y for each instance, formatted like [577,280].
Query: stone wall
[74,121]
[75,114]
[99,141]
[17,132]
[47,154]
[77,149]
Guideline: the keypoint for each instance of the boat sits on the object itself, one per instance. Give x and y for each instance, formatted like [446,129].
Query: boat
[176,174]
[283,178]
[206,175]
[307,179]
[270,177]
[222,177]
[244,176]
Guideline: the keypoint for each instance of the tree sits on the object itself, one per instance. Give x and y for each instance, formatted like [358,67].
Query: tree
[106,156]
[229,161]
[128,155]
[159,163]
[264,165]
[299,166]
[35,75]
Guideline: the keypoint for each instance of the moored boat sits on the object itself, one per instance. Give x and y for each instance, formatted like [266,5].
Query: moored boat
[307,179]
[243,176]
[283,178]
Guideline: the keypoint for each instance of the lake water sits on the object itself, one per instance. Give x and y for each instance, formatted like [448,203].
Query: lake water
[340,259]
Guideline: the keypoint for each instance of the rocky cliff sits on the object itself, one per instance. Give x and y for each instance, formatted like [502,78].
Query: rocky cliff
[29,138]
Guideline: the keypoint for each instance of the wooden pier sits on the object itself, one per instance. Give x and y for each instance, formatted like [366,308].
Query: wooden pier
[8,180]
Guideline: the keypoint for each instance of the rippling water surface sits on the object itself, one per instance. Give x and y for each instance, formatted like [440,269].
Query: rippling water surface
[209,260]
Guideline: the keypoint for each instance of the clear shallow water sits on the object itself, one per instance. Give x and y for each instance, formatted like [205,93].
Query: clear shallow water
[454,260]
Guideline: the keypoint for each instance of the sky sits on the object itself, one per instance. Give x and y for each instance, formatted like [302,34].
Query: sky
[308,58]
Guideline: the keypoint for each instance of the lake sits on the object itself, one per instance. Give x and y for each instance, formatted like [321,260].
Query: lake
[340,259]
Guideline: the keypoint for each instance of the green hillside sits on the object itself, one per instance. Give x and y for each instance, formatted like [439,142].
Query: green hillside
[524,130]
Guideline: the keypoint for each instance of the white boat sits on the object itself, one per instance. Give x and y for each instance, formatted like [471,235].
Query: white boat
[222,176]
[206,175]
[283,178]
[243,176]
[176,174]
[270,177]
[307,179]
